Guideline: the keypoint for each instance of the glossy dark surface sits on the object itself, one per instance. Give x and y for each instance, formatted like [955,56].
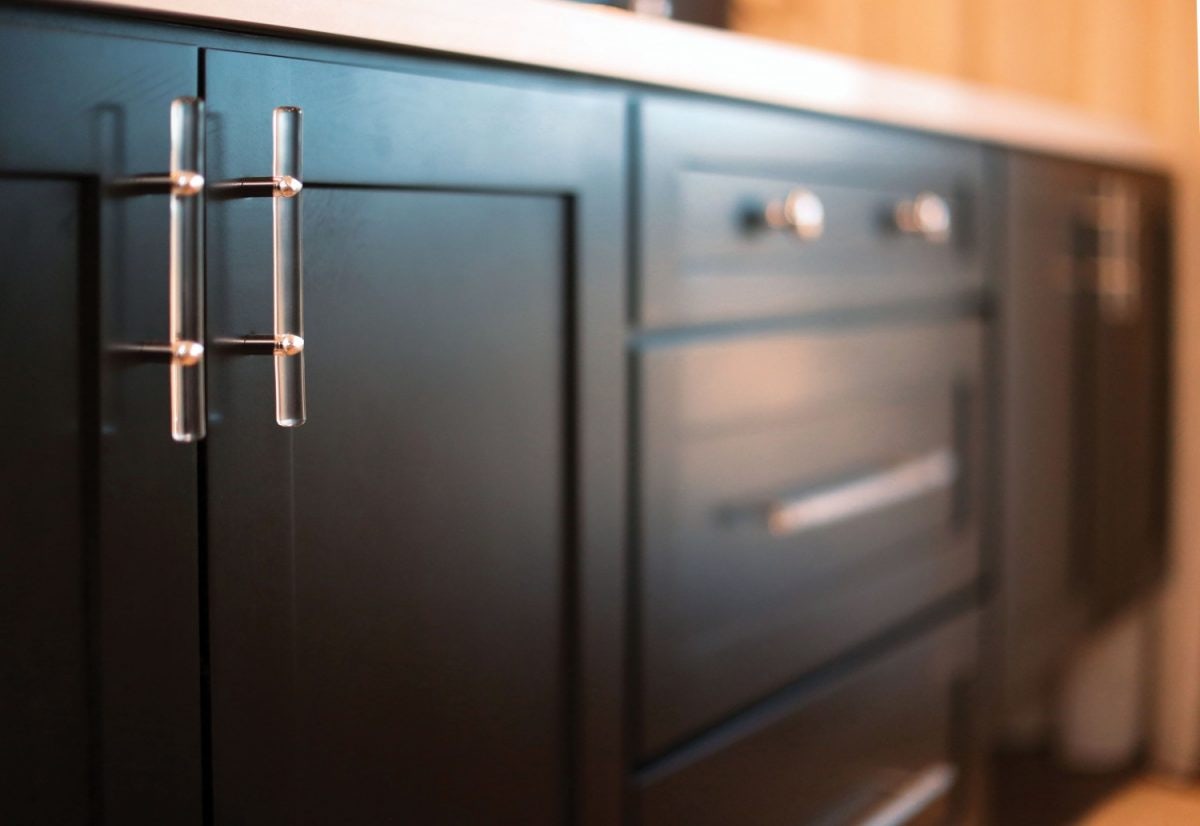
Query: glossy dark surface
[707,173]
[394,586]
[43,612]
[833,753]
[417,607]
[102,711]
[731,612]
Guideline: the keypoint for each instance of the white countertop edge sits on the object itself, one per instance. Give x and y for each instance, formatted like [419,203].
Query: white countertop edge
[615,44]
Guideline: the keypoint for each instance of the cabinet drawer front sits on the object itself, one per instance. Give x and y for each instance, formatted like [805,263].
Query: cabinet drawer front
[889,743]
[710,172]
[802,493]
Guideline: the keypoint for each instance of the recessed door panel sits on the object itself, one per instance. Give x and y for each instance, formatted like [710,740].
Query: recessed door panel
[387,580]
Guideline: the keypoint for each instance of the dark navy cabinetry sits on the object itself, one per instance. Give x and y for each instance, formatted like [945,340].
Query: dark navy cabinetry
[812,468]
[1084,319]
[407,609]
[392,439]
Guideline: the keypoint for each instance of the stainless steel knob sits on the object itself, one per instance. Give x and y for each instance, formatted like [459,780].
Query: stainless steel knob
[801,213]
[927,215]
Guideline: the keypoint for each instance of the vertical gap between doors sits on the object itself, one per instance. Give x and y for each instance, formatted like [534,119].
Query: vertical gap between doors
[206,752]
[572,634]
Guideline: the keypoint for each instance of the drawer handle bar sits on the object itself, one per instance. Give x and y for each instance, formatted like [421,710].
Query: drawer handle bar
[929,786]
[931,472]
[284,188]
[184,348]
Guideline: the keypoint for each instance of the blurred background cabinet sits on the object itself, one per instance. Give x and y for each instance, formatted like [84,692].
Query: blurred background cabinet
[1084,353]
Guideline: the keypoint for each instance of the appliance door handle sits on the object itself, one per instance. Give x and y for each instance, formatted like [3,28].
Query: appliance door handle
[184,348]
[910,479]
[284,186]
[910,800]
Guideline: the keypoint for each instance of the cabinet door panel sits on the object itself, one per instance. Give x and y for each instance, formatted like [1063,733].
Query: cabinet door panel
[44,713]
[78,103]
[415,597]
[98,536]
[391,629]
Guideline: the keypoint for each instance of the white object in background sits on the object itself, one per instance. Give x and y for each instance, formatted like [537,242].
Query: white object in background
[1102,697]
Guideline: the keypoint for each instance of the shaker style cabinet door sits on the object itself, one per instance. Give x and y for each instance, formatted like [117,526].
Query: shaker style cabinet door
[100,712]
[412,468]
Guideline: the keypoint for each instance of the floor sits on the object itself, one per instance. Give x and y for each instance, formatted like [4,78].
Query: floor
[1031,790]
[1147,803]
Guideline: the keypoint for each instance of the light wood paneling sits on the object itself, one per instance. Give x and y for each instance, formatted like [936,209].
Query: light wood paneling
[1096,54]
[823,24]
[921,34]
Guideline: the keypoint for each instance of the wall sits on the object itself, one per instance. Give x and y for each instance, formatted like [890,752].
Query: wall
[1130,59]
[1177,712]
[1098,54]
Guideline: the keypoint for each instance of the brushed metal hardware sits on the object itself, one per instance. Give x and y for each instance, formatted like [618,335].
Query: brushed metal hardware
[184,352]
[927,215]
[907,480]
[184,349]
[800,212]
[284,187]
[287,345]
[929,786]
[184,182]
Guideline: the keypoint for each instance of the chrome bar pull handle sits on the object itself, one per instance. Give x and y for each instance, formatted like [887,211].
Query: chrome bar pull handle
[915,797]
[284,187]
[290,397]
[899,483]
[184,348]
[187,270]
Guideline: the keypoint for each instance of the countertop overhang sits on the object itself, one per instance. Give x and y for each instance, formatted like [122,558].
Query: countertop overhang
[610,43]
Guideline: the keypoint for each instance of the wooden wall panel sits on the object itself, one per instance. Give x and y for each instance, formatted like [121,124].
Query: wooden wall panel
[1026,45]
[1097,54]
[920,34]
[834,25]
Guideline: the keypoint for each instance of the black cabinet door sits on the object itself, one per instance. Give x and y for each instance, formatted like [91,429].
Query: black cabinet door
[99,646]
[1084,346]
[415,597]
